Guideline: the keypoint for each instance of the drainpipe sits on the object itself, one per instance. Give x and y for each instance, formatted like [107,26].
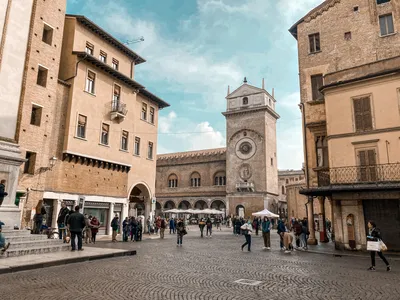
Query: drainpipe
[132,63]
[303,113]
[76,67]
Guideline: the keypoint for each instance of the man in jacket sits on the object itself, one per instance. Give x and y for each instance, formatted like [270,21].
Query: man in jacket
[162,227]
[62,215]
[266,232]
[171,226]
[202,224]
[115,227]
[76,223]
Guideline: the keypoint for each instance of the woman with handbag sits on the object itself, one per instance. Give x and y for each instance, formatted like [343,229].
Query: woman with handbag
[375,236]
[247,229]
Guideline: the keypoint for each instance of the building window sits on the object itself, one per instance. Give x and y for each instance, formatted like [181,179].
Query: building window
[283,190]
[124,140]
[144,111]
[103,56]
[47,36]
[382,1]
[172,181]
[90,82]
[301,178]
[287,181]
[316,84]
[152,115]
[321,144]
[36,115]
[29,167]
[367,165]
[117,93]
[362,114]
[81,130]
[195,180]
[386,24]
[137,146]
[150,151]
[314,42]
[42,76]
[89,48]
[245,101]
[105,129]
[355,8]
[220,179]
[347,36]
[115,64]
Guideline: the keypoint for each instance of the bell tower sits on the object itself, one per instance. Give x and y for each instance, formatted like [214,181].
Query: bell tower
[251,158]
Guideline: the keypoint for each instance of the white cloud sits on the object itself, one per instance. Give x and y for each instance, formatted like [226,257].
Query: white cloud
[289,101]
[165,123]
[206,137]
[293,10]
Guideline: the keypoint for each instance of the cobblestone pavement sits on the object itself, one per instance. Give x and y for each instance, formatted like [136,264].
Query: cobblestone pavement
[207,269]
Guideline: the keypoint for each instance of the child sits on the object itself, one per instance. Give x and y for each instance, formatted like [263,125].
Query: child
[3,244]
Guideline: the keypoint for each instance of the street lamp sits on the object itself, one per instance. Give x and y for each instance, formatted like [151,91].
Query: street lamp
[53,161]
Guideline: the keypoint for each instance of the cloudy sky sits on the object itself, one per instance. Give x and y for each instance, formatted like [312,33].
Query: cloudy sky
[196,48]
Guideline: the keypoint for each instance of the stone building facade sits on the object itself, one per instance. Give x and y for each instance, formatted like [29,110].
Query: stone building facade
[239,179]
[349,86]
[84,122]
[286,178]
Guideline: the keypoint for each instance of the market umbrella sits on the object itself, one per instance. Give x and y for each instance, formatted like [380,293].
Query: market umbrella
[265,213]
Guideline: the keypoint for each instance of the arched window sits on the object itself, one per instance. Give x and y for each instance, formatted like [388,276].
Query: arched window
[195,179]
[172,181]
[283,190]
[245,101]
[220,178]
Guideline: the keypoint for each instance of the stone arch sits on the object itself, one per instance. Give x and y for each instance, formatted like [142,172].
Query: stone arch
[169,204]
[184,204]
[200,204]
[158,209]
[140,197]
[218,204]
[240,210]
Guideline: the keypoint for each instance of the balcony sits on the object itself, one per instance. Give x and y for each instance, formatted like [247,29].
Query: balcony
[245,187]
[376,174]
[118,110]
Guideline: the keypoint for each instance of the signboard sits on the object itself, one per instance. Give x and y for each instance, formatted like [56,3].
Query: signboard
[81,203]
[154,200]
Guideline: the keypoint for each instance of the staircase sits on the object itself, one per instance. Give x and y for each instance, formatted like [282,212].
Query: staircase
[22,242]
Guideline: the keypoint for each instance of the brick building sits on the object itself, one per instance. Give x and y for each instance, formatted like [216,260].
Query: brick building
[87,129]
[239,179]
[349,83]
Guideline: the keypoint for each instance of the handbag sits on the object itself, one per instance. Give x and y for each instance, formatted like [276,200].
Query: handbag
[373,246]
[382,246]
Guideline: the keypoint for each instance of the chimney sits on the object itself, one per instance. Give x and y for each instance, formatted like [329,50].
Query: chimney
[228,91]
[273,93]
[263,86]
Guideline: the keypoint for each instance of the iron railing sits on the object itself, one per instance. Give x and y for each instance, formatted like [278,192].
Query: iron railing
[119,107]
[383,173]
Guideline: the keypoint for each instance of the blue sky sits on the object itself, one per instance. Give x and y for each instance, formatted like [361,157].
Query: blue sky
[196,48]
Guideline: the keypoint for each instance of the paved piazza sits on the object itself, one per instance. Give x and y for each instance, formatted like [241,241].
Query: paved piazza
[206,269]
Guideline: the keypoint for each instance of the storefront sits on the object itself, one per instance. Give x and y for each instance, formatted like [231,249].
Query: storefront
[100,210]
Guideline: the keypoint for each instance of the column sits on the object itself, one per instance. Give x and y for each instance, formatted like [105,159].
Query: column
[311,238]
[338,224]
[56,211]
[110,217]
[322,233]
[332,220]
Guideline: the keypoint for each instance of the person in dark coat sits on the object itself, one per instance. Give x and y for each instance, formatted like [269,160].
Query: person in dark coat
[133,224]
[76,223]
[374,234]
[3,193]
[62,215]
[38,219]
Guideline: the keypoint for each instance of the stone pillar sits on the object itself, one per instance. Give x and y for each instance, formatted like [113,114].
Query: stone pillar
[110,217]
[10,162]
[311,239]
[332,220]
[338,224]
[323,237]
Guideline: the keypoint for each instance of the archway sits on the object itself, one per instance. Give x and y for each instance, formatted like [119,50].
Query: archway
[219,205]
[184,205]
[169,205]
[158,209]
[240,210]
[139,201]
[200,204]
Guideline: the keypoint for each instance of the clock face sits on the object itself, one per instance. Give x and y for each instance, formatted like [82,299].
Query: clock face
[245,148]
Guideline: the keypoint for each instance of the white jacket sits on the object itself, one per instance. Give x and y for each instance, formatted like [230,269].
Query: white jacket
[247,227]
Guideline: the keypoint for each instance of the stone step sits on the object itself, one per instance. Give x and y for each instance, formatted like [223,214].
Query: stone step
[7,232]
[28,238]
[36,250]
[34,244]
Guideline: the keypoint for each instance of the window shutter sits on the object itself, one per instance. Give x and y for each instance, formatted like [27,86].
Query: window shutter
[317,44]
[371,157]
[81,120]
[311,42]
[358,114]
[125,134]
[117,90]
[105,128]
[91,75]
[367,113]
[362,155]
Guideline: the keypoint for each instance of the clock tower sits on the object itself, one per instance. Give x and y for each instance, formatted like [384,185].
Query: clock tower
[251,159]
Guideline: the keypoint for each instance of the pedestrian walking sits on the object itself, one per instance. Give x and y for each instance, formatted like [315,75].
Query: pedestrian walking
[87,230]
[133,229]
[115,227]
[298,230]
[181,231]
[209,227]
[125,229]
[61,224]
[281,228]
[202,224]
[238,223]
[374,235]
[38,222]
[247,229]
[171,226]
[95,225]
[162,227]
[304,235]
[266,232]
[139,230]
[76,223]
[218,222]
[256,225]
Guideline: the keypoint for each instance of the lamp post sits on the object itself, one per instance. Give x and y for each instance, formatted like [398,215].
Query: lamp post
[53,161]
